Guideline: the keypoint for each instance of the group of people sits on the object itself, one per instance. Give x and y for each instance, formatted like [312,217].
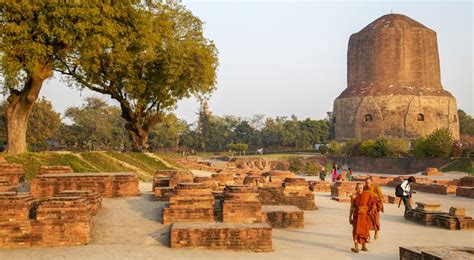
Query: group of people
[336,173]
[366,205]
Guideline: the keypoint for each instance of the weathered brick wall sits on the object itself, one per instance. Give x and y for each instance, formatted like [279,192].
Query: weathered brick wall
[296,192]
[436,252]
[107,184]
[222,236]
[389,165]
[10,176]
[320,186]
[223,179]
[190,202]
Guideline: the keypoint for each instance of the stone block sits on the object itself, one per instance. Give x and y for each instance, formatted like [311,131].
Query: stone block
[241,205]
[465,192]
[431,171]
[10,176]
[53,169]
[460,212]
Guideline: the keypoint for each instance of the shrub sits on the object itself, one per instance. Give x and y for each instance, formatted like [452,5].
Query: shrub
[437,144]
[312,168]
[381,148]
[348,148]
[297,164]
[323,149]
[335,148]
[398,146]
[367,147]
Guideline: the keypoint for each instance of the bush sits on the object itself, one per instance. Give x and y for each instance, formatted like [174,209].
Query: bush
[437,144]
[297,164]
[312,168]
[335,148]
[348,148]
[323,149]
[381,148]
[398,146]
[367,147]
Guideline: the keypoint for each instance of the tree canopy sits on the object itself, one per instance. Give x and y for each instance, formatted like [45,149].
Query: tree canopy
[147,57]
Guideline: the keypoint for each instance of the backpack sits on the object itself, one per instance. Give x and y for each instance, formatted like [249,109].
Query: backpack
[399,191]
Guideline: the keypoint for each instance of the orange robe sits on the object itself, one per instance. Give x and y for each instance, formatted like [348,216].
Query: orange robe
[375,212]
[363,205]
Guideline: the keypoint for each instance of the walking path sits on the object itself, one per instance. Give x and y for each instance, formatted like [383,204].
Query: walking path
[130,228]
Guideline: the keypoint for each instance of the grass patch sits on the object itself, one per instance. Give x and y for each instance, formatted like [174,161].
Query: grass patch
[460,165]
[103,162]
[32,161]
[139,160]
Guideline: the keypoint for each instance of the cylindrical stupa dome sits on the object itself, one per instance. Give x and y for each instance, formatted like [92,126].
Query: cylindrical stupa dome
[393,83]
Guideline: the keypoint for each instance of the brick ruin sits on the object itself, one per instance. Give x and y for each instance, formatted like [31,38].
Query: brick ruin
[190,202]
[283,216]
[432,215]
[436,252]
[107,184]
[241,205]
[58,221]
[255,237]
[53,169]
[431,171]
[10,176]
[293,191]
[342,191]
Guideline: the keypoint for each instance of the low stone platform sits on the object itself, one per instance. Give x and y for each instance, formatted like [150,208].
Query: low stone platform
[296,192]
[436,253]
[190,202]
[162,193]
[320,186]
[424,214]
[222,236]
[118,184]
[283,216]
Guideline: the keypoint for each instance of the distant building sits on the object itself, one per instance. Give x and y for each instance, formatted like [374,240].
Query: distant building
[393,84]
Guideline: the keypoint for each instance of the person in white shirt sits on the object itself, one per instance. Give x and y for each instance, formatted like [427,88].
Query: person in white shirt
[407,192]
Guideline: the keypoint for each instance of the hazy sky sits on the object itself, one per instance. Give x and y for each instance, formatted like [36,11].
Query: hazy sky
[289,57]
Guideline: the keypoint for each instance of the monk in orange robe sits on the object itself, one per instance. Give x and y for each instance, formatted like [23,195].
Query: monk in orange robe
[377,195]
[361,206]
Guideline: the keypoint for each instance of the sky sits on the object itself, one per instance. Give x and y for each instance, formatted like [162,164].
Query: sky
[280,58]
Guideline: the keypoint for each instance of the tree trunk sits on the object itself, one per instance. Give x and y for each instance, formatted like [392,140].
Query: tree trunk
[18,111]
[139,137]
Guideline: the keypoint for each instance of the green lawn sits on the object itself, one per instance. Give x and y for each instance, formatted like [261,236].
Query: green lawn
[103,162]
[139,160]
[32,161]
[461,165]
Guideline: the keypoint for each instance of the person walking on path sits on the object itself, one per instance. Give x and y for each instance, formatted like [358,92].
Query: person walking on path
[378,198]
[349,173]
[334,173]
[407,192]
[361,206]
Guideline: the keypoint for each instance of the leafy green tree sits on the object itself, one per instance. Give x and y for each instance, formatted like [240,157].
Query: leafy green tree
[43,124]
[398,146]
[34,35]
[466,123]
[147,57]
[168,132]
[95,126]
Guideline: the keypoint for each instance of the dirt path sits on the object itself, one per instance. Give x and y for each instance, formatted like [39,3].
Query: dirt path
[154,156]
[130,228]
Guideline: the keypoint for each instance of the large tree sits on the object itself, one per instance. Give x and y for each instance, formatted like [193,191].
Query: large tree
[34,34]
[43,123]
[147,57]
